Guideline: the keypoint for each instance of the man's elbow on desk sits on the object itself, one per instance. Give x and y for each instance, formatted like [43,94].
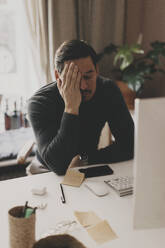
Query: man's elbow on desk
[52,161]
[57,167]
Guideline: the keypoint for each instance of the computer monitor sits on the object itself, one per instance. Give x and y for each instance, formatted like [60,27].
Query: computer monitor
[149,163]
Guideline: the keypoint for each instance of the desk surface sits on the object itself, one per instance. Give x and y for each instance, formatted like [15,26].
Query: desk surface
[118,211]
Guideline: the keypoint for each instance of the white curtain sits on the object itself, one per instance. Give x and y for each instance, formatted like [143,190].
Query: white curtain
[49,23]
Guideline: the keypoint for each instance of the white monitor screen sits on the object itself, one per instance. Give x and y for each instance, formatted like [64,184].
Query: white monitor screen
[149,163]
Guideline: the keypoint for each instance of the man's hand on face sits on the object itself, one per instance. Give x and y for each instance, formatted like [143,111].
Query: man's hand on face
[69,88]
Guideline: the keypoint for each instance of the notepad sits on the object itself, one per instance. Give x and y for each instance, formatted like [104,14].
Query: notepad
[98,229]
[73,178]
[101,232]
[87,219]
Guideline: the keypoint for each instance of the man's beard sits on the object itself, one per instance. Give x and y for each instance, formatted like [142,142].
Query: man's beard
[85,93]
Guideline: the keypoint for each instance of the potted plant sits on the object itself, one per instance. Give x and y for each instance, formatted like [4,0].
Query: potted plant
[132,67]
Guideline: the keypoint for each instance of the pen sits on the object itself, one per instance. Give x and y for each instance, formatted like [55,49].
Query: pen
[24,209]
[62,196]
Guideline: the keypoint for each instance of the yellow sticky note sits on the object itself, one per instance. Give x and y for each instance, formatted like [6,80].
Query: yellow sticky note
[101,232]
[73,178]
[87,219]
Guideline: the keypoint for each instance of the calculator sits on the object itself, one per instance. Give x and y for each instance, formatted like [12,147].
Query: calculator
[123,185]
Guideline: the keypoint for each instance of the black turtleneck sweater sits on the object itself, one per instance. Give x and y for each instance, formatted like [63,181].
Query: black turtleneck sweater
[61,136]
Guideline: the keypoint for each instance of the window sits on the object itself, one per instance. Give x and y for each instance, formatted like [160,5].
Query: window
[18,76]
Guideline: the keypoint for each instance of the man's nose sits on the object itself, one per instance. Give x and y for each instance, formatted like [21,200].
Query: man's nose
[83,84]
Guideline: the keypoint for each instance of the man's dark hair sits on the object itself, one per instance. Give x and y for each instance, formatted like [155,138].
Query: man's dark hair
[73,49]
[58,241]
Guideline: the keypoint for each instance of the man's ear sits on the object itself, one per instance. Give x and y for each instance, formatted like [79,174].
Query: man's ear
[97,68]
[57,75]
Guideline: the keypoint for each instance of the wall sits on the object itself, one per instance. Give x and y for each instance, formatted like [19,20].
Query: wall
[147,17]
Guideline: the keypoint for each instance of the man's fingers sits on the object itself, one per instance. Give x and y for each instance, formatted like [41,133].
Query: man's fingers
[74,76]
[64,73]
[78,81]
[59,84]
[69,74]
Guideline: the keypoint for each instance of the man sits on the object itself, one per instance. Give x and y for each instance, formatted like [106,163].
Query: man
[58,241]
[68,115]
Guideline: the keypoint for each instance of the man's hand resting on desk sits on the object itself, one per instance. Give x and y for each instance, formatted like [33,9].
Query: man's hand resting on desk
[69,87]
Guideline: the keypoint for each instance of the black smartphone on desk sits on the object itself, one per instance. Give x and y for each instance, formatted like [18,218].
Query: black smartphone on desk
[97,171]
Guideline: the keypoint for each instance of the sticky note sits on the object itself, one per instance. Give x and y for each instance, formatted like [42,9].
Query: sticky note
[87,219]
[101,232]
[73,178]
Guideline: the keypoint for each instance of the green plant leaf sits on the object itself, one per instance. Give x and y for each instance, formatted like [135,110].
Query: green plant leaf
[136,48]
[133,67]
[126,61]
[125,55]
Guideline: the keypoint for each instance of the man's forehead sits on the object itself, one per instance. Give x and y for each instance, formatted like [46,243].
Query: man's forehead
[85,65]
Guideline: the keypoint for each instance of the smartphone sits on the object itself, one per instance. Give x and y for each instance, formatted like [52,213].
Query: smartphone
[97,171]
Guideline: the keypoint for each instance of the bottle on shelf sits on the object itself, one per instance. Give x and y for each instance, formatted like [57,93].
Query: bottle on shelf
[21,112]
[7,117]
[15,118]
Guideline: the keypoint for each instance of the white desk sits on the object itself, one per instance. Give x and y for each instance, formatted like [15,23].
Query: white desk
[117,210]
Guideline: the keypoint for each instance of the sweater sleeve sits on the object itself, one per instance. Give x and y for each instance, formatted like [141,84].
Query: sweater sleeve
[122,128]
[57,144]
